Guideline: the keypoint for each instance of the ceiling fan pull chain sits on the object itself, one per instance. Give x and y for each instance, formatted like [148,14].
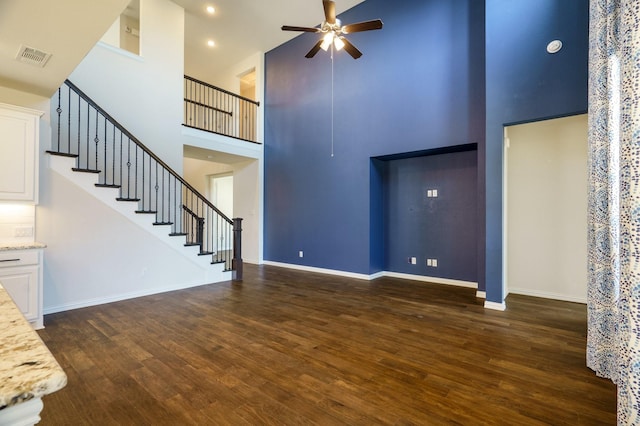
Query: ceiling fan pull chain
[332,100]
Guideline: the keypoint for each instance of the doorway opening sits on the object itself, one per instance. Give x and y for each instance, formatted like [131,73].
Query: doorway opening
[248,84]
[248,119]
[238,196]
[545,209]
[221,195]
[221,192]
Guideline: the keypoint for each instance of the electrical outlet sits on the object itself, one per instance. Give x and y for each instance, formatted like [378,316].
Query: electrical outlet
[428,262]
[434,263]
[300,253]
[413,260]
[23,231]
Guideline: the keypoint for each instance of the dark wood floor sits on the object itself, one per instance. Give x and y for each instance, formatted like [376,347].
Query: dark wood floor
[286,347]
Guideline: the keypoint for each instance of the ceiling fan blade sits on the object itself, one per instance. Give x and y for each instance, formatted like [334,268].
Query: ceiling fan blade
[305,29]
[351,49]
[314,50]
[329,11]
[362,26]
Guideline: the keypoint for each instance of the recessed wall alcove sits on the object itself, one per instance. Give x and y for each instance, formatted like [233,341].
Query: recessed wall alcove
[424,206]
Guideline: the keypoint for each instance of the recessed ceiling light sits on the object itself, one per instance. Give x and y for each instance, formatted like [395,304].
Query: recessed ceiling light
[211,43]
[211,10]
[554,46]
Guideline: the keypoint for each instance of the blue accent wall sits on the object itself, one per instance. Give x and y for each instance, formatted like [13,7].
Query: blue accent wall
[377,215]
[441,73]
[419,85]
[525,83]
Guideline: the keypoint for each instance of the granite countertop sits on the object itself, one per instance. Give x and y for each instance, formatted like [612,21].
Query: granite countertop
[21,246]
[27,368]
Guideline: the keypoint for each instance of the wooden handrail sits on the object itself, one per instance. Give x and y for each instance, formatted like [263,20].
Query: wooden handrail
[210,86]
[146,150]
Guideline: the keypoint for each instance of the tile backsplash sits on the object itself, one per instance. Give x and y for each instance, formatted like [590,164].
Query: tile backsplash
[17,222]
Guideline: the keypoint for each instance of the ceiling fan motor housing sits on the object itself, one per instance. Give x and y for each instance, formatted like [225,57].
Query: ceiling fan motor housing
[335,28]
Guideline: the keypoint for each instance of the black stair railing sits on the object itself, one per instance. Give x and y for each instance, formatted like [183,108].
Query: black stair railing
[210,108]
[83,130]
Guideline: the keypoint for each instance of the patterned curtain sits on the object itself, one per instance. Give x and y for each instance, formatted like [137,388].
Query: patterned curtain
[613,336]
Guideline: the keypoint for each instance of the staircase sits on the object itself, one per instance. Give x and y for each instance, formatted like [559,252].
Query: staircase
[87,140]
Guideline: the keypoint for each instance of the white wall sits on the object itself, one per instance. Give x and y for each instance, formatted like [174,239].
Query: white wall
[112,36]
[196,172]
[247,190]
[96,255]
[547,209]
[229,78]
[143,93]
[24,99]
[247,204]
[130,40]
[93,253]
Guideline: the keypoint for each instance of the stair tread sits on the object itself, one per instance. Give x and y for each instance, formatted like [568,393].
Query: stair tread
[107,185]
[62,154]
[77,169]
[127,199]
[146,211]
[205,253]
[178,234]
[162,223]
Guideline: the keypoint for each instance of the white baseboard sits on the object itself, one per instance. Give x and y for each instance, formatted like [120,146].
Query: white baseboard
[318,270]
[548,295]
[433,280]
[377,275]
[495,306]
[124,296]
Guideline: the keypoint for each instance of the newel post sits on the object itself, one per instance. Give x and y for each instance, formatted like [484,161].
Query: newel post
[236,263]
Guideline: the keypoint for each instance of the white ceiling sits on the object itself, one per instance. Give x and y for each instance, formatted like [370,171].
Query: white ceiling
[241,28]
[58,27]
[68,29]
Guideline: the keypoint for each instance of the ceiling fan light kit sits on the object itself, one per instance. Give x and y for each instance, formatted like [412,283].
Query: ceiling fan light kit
[329,38]
[333,31]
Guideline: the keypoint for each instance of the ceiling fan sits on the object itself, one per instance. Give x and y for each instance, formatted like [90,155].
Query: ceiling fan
[334,32]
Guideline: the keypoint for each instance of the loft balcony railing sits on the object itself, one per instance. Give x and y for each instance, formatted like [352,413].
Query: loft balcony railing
[100,145]
[216,110]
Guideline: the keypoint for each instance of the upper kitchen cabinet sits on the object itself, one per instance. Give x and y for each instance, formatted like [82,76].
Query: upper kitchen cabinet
[19,137]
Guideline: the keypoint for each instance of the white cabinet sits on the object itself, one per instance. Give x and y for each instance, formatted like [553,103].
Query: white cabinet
[21,277]
[19,142]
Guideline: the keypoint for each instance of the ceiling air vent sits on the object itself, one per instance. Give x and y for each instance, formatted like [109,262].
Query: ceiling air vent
[32,56]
